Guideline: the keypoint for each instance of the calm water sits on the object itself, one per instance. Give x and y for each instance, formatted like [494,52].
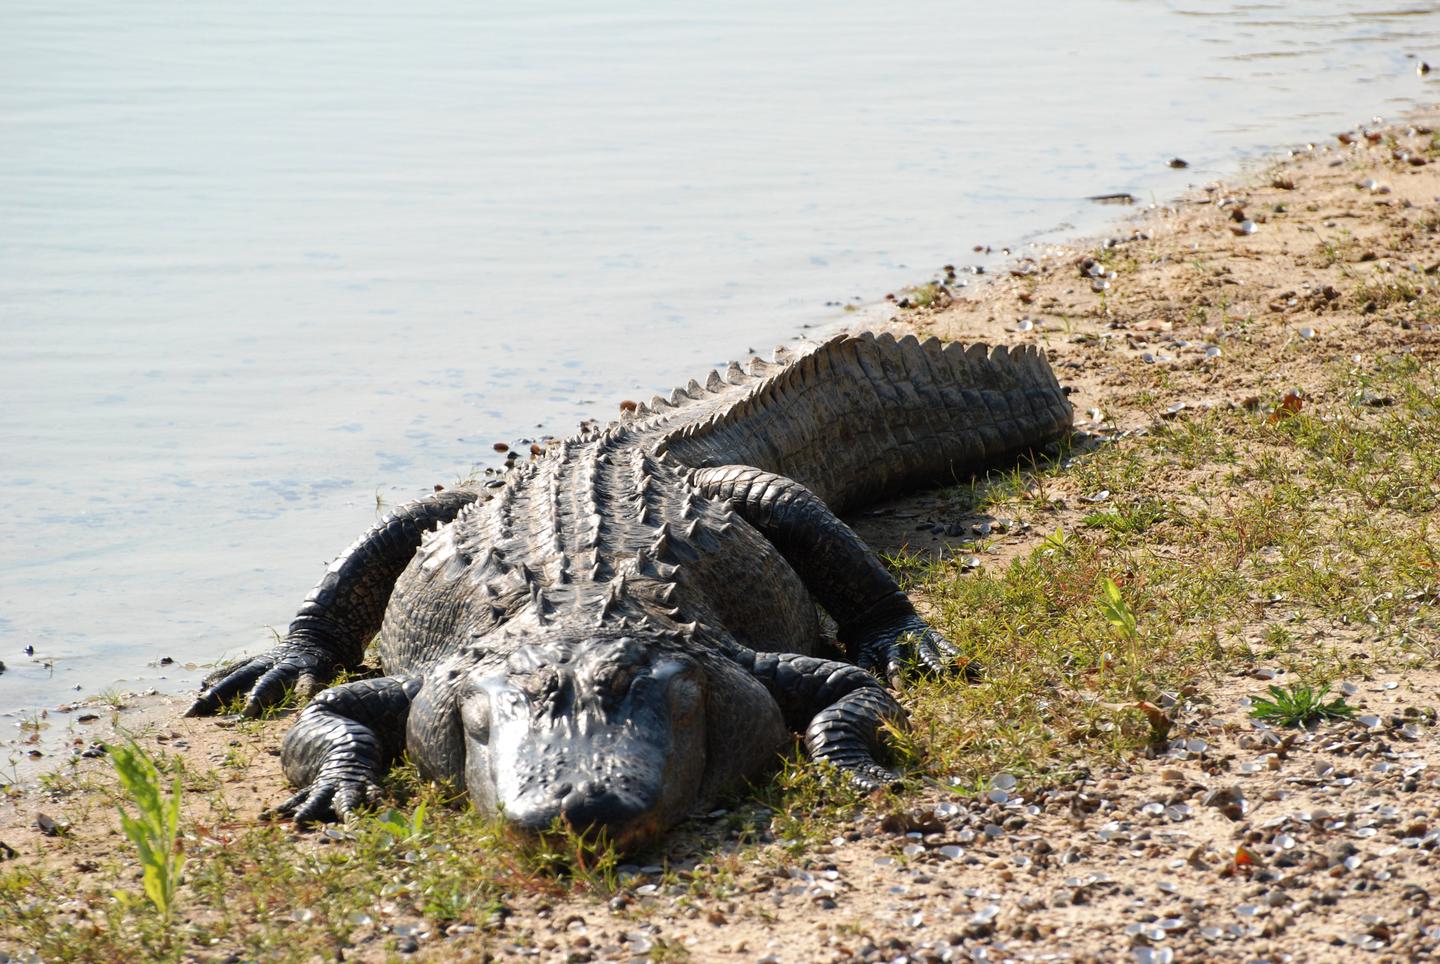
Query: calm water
[262,262]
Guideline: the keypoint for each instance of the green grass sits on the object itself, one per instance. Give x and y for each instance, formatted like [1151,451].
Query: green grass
[1300,705]
[1401,296]
[922,296]
[1229,538]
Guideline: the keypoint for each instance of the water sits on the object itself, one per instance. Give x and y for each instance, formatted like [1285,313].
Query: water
[260,263]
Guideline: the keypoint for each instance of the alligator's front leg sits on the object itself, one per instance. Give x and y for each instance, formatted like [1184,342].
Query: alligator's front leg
[841,709]
[340,616]
[878,624]
[342,744]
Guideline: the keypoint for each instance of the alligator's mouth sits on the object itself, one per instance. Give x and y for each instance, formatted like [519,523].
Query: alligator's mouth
[595,835]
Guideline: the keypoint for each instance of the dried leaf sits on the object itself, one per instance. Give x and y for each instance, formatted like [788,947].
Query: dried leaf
[1289,405]
[1159,723]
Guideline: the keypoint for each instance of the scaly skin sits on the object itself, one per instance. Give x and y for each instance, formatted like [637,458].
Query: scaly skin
[626,629]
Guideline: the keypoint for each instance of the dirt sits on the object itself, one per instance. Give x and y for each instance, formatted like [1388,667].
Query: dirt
[1232,842]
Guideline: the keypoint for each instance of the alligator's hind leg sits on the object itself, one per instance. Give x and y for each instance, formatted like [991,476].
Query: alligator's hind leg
[341,614]
[878,624]
[342,744]
[841,709]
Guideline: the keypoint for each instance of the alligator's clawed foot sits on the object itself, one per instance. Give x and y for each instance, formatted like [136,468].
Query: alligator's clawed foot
[265,680]
[848,733]
[331,798]
[906,645]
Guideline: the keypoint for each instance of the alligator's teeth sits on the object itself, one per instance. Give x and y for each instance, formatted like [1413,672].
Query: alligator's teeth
[666,594]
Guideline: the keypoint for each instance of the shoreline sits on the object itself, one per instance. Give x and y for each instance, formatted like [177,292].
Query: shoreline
[1335,257]
[982,272]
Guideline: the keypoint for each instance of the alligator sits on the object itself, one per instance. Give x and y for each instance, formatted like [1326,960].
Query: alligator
[628,627]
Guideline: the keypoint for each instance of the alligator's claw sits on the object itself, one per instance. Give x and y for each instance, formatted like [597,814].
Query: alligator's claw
[330,798]
[909,642]
[265,679]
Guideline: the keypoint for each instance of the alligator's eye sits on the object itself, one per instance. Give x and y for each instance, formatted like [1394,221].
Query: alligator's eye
[618,684]
[475,715]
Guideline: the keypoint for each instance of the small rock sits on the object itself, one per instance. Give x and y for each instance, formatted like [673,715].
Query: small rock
[49,826]
[1230,801]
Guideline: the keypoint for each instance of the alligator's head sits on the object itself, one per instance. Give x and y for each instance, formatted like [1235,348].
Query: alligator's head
[611,733]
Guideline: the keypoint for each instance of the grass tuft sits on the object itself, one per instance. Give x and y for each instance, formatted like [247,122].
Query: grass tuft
[1300,705]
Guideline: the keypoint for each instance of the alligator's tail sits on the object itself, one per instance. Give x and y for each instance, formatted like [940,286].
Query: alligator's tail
[864,416]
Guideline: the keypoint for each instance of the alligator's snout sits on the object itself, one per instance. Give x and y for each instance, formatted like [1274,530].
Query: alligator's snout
[593,810]
[610,744]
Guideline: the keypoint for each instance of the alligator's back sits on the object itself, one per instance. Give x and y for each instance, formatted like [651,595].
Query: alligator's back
[862,416]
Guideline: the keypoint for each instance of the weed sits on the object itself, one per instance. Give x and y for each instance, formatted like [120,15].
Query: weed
[1117,611]
[398,827]
[1300,705]
[1130,520]
[155,831]
[923,296]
